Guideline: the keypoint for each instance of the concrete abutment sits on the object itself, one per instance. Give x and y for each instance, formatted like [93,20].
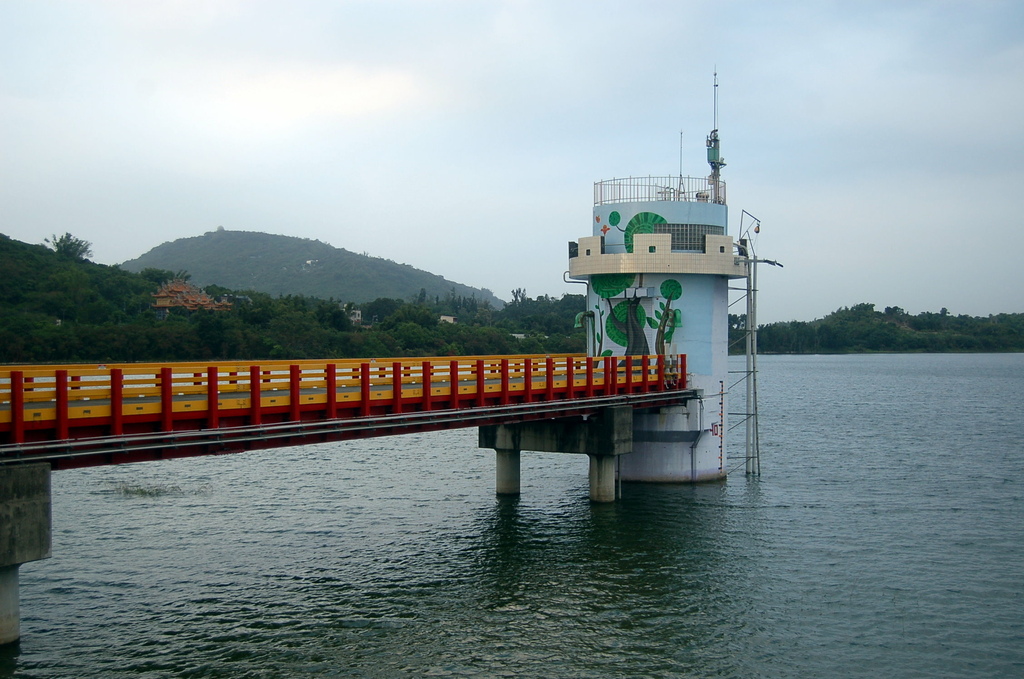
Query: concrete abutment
[25,520]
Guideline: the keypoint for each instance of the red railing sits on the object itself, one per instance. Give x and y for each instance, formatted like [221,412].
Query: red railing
[57,403]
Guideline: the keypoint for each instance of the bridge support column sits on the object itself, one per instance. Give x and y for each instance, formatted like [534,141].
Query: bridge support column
[24,535]
[506,472]
[10,621]
[602,478]
[603,437]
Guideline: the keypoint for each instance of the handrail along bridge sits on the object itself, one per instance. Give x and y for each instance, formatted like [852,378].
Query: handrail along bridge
[85,415]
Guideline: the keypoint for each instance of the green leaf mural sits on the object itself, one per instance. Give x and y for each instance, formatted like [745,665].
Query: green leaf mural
[671,289]
[610,284]
[642,222]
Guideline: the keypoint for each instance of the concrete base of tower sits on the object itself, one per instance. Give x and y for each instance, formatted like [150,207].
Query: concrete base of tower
[674,445]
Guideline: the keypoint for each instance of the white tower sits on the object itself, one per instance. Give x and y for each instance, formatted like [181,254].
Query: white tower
[657,269]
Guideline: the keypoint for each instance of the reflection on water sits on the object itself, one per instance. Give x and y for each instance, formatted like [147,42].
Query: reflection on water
[885,538]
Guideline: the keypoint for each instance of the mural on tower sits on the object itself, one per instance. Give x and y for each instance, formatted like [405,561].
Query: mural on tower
[626,322]
[623,323]
[668,318]
[642,222]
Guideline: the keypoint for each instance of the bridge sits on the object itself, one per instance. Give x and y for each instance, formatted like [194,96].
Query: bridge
[85,415]
[65,416]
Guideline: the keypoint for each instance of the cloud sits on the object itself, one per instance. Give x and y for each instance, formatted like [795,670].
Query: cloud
[161,16]
[451,134]
[249,99]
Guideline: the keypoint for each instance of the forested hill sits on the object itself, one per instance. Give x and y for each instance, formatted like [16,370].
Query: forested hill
[285,265]
[861,328]
[58,307]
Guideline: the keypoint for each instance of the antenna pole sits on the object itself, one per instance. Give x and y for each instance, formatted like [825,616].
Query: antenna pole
[716,97]
[680,154]
[715,159]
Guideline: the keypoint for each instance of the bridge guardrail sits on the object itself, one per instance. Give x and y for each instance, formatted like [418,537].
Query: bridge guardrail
[39,403]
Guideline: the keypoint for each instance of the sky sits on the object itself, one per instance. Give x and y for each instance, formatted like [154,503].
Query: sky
[880,144]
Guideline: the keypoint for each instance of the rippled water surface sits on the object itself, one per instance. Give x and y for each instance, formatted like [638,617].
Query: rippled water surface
[885,537]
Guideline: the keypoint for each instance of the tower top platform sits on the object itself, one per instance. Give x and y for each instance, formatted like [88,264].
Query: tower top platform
[647,189]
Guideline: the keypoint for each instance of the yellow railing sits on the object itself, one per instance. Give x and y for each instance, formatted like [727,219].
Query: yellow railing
[37,396]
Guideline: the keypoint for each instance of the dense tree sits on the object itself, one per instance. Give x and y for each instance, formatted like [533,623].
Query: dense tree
[416,314]
[862,328]
[70,247]
[379,309]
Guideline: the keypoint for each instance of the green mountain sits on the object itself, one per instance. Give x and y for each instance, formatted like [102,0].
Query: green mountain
[58,307]
[285,265]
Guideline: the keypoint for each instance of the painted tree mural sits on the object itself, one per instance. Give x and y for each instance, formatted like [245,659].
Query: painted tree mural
[642,222]
[668,319]
[626,324]
[626,321]
[606,286]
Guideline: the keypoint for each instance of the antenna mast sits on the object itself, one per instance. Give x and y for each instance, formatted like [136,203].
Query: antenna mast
[680,154]
[715,159]
[716,97]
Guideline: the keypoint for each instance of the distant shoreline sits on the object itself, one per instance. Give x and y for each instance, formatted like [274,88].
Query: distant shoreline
[862,329]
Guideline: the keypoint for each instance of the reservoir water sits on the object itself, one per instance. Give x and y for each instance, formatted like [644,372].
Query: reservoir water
[885,537]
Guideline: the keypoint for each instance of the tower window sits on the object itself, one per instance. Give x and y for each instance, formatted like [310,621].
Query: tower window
[689,237]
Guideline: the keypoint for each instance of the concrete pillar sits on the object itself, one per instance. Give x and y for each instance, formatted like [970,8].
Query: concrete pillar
[10,620]
[506,472]
[602,478]
[603,436]
[24,534]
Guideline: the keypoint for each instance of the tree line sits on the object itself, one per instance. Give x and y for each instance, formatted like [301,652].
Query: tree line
[862,328]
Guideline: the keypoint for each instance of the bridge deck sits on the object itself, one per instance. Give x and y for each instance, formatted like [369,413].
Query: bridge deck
[76,416]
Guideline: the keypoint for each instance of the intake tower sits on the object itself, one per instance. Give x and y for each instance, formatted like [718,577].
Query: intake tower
[657,269]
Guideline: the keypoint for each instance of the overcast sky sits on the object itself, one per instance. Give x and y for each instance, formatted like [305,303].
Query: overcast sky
[881,144]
